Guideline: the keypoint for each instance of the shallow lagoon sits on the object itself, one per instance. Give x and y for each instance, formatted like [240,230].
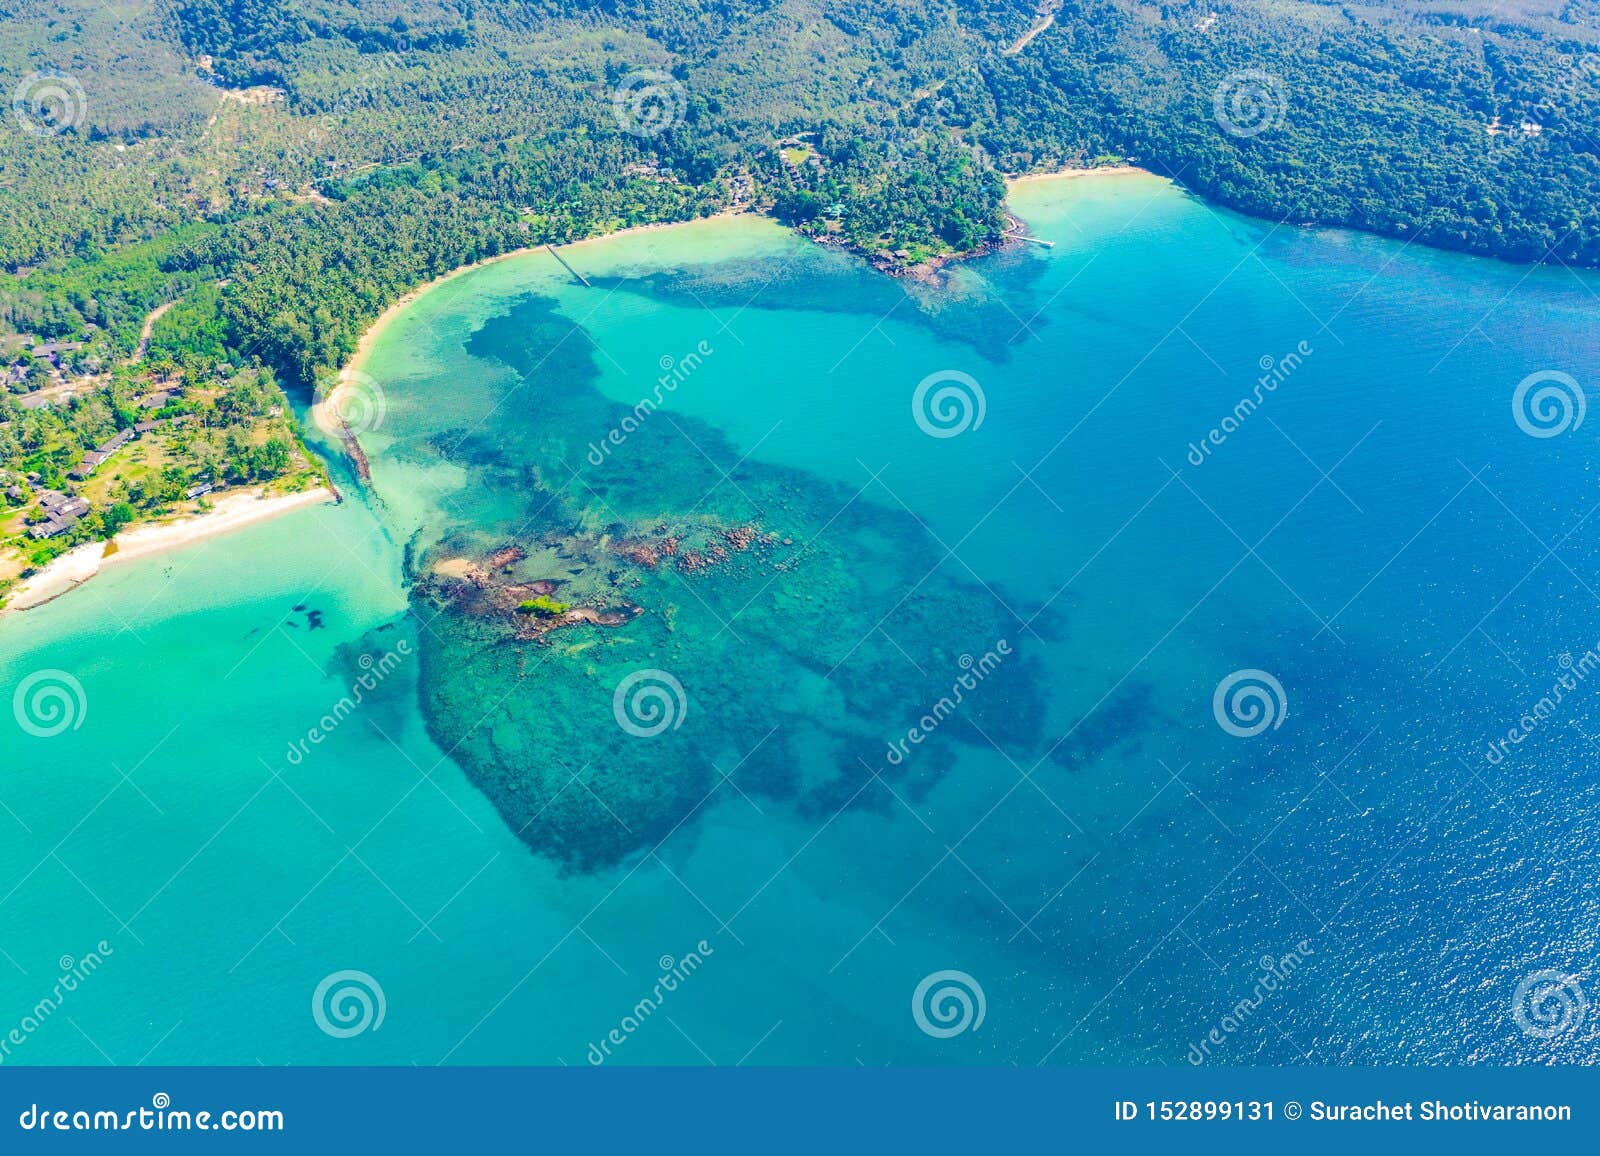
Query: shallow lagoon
[1081,837]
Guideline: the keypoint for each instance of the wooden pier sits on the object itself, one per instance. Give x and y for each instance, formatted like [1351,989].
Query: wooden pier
[581,278]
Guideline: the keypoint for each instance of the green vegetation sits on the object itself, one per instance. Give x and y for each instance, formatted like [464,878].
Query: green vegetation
[179,442]
[902,200]
[1422,119]
[275,174]
[544,606]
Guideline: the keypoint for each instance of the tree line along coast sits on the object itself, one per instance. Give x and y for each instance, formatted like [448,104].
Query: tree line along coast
[207,202]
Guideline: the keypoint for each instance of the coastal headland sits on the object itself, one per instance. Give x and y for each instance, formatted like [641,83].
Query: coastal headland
[231,512]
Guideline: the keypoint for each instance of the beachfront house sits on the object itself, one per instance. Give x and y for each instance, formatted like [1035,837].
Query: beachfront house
[61,513]
[97,457]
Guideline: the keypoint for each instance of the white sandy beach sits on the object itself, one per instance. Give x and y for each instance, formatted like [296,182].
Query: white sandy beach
[323,413]
[1075,173]
[231,512]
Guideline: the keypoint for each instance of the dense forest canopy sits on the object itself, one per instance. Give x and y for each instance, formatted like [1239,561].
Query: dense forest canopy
[287,167]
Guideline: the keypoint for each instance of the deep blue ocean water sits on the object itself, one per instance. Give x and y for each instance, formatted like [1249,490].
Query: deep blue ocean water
[1209,446]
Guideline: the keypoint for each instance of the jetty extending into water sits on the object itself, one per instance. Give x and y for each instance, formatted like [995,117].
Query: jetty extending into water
[581,278]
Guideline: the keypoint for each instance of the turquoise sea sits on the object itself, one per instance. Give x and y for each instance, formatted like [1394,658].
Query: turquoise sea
[1127,626]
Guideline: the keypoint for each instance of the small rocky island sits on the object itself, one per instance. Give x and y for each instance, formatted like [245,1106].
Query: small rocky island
[535,587]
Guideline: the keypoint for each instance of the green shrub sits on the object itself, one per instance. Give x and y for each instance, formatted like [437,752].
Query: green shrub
[543,606]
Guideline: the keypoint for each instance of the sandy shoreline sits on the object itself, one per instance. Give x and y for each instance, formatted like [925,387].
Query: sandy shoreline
[399,306]
[1075,173]
[322,412]
[231,512]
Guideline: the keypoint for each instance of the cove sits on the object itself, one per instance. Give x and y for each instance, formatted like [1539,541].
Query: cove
[845,784]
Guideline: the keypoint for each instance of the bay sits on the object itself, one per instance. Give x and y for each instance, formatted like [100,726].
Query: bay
[1207,445]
